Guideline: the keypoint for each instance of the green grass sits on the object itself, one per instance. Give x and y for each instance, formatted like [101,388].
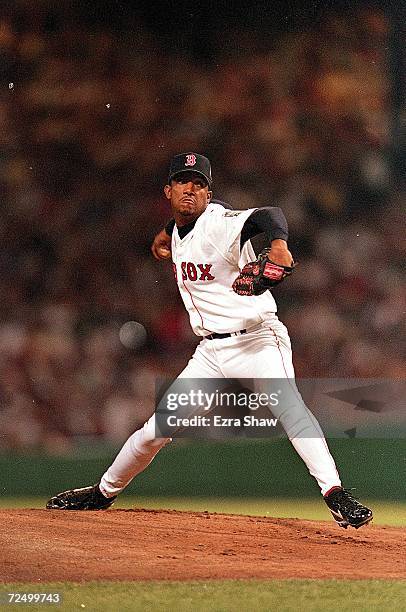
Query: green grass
[385,512]
[226,595]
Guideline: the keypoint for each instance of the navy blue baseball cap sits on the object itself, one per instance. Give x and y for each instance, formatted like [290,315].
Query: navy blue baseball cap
[190,162]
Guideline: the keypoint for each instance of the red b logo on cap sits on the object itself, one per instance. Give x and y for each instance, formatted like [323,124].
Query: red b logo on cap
[190,160]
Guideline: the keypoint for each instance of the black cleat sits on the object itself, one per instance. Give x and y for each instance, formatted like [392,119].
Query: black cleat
[346,510]
[88,498]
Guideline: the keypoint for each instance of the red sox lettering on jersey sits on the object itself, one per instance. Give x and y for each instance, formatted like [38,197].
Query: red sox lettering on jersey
[192,272]
[206,262]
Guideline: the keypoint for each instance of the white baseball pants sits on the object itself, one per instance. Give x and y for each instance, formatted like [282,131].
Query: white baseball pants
[264,352]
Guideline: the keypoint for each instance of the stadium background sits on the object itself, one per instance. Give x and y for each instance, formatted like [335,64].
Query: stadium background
[295,107]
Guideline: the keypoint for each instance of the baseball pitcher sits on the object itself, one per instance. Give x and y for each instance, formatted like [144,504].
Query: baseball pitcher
[226,291]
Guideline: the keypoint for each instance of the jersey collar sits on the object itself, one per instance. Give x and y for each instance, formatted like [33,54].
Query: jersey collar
[185,229]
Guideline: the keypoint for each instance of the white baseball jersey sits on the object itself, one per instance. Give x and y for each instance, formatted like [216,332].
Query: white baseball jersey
[206,262]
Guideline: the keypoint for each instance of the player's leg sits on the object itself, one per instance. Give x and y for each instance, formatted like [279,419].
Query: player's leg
[266,354]
[299,423]
[137,452]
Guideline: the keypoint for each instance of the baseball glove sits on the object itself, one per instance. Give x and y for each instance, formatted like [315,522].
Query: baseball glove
[258,276]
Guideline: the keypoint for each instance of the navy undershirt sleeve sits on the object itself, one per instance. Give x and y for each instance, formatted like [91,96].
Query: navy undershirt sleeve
[269,220]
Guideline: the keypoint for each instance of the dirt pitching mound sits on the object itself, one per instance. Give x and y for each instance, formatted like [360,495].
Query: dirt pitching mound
[44,545]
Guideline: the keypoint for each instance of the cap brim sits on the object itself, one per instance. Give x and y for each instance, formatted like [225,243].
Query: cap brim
[190,171]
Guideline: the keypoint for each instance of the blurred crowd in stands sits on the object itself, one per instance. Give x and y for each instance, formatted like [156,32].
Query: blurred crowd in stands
[89,120]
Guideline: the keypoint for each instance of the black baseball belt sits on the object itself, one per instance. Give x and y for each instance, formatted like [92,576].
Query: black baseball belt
[237,333]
